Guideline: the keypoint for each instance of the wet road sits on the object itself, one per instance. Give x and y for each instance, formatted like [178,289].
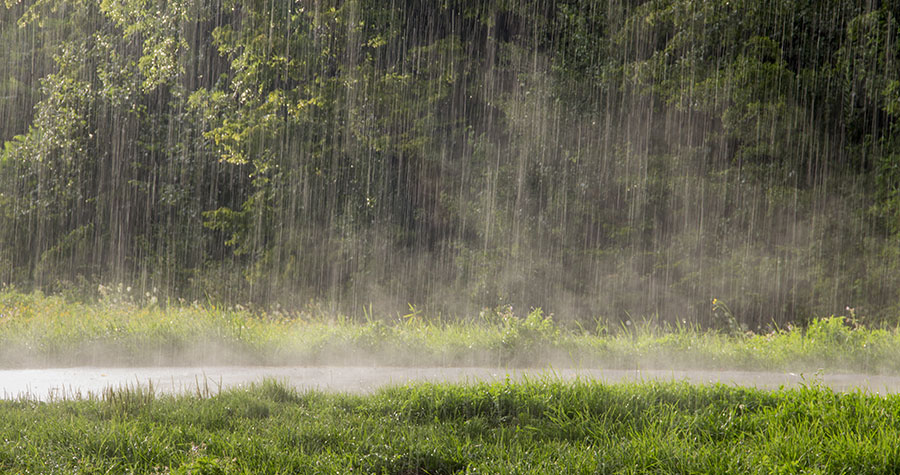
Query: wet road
[54,383]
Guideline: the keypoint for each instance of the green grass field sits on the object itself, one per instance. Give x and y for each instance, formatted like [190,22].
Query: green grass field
[538,426]
[40,330]
[530,426]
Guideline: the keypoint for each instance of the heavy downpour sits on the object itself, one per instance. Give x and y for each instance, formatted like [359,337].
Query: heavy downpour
[355,196]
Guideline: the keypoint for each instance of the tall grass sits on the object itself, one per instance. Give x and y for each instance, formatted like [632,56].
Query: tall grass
[37,329]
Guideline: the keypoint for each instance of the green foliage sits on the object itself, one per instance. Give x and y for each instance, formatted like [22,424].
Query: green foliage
[529,332]
[579,156]
[532,426]
[239,224]
[122,325]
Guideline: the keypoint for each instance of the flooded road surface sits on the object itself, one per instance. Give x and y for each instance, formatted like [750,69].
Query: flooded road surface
[55,383]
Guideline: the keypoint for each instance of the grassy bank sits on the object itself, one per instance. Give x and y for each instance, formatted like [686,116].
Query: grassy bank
[40,330]
[542,426]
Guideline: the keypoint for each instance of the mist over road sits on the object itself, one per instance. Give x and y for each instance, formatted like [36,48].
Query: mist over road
[55,383]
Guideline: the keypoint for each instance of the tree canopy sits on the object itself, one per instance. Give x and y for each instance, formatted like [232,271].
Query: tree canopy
[615,159]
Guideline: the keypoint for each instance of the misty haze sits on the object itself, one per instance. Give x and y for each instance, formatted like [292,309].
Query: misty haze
[501,215]
[593,159]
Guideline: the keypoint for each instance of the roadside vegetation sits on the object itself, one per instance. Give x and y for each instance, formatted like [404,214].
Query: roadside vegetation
[123,329]
[537,426]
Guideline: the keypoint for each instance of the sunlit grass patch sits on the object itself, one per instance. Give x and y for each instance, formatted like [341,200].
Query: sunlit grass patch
[533,426]
[37,329]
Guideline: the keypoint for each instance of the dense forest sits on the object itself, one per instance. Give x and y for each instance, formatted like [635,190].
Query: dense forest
[620,159]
